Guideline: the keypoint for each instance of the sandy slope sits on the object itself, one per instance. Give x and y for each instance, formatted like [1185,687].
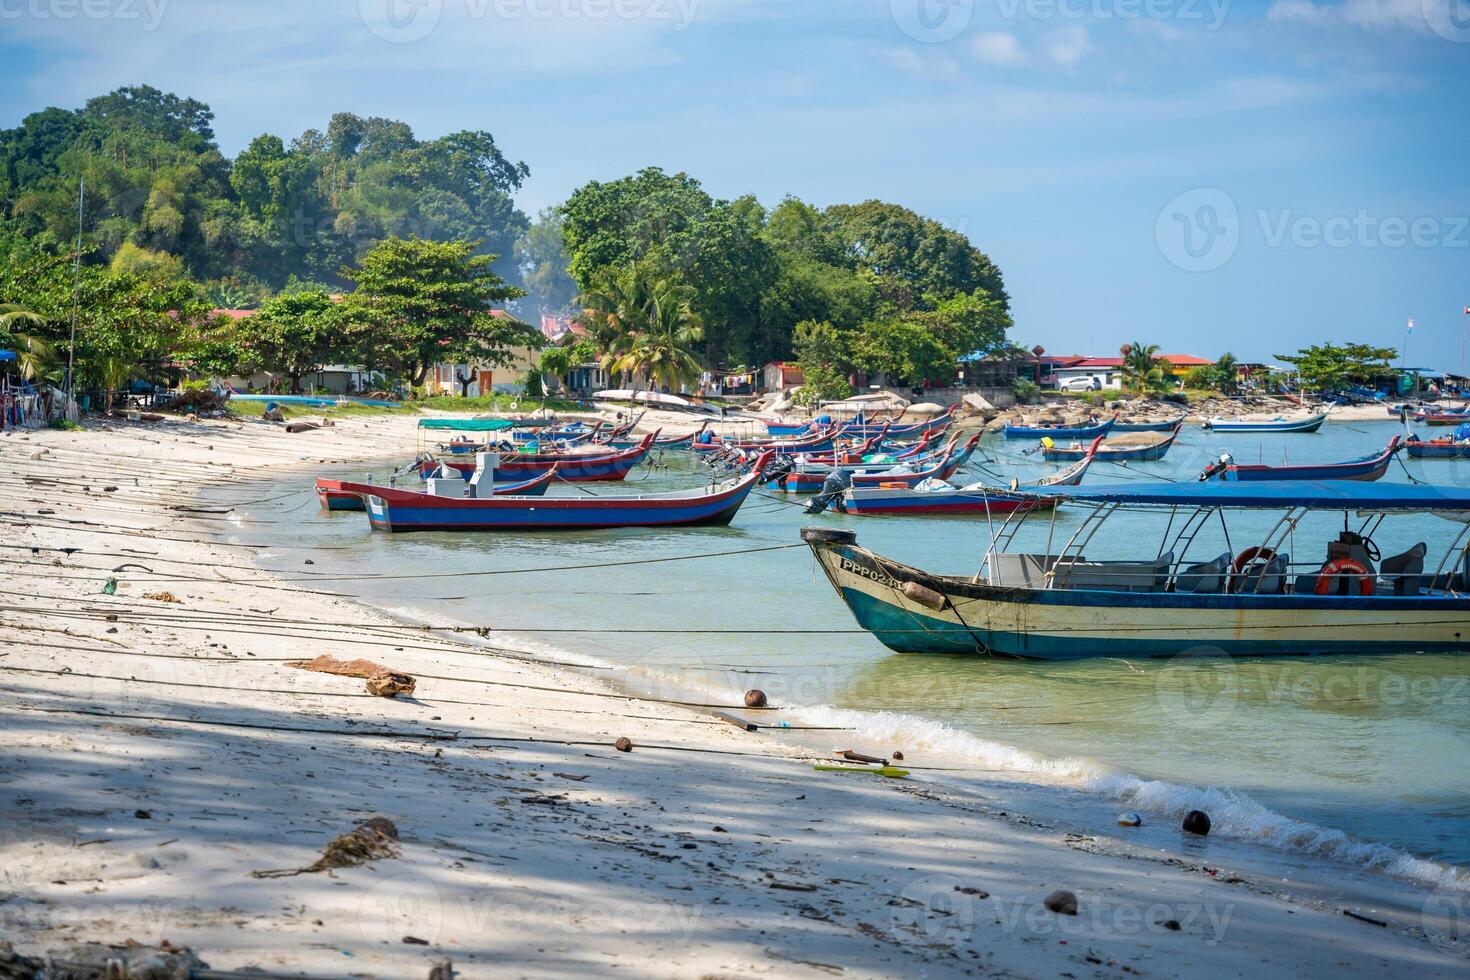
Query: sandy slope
[120,819]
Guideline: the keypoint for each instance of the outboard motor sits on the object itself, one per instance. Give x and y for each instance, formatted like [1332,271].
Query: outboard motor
[778,470]
[1218,466]
[833,488]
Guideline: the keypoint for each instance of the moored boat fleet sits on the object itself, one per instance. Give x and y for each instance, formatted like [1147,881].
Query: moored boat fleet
[1050,585]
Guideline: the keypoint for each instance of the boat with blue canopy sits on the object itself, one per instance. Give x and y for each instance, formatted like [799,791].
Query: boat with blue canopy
[1219,578]
[1456,446]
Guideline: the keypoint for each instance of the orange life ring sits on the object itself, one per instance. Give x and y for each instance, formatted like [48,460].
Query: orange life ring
[1327,578]
[1247,556]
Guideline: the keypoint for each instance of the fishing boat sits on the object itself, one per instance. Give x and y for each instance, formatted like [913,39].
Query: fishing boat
[822,440]
[1166,426]
[685,441]
[937,497]
[1445,417]
[700,507]
[1113,452]
[1456,446]
[1059,605]
[345,495]
[1060,431]
[586,465]
[1279,424]
[1366,468]
[940,466]
[862,425]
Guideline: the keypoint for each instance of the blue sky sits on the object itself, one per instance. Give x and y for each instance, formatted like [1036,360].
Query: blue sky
[1251,176]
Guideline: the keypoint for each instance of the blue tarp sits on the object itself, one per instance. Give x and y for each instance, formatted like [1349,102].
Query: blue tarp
[1278,495]
[7,355]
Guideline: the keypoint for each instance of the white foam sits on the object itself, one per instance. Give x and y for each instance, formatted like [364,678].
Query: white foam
[1233,815]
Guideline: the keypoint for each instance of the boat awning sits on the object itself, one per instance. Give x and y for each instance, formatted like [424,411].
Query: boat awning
[1283,494]
[467,425]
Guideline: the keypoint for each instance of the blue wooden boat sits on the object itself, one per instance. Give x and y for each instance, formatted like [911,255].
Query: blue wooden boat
[1346,598]
[1456,446]
[1114,452]
[940,466]
[1310,424]
[1366,468]
[405,511]
[1060,431]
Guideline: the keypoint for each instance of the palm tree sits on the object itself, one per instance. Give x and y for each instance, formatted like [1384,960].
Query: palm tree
[664,352]
[1225,372]
[34,357]
[1143,370]
[616,311]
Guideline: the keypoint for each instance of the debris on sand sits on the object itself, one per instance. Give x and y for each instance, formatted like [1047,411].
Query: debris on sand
[161,596]
[370,841]
[381,681]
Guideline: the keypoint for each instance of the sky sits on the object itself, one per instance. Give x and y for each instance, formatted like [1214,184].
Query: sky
[1205,175]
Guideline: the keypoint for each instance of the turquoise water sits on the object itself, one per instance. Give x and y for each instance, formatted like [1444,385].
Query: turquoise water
[1355,759]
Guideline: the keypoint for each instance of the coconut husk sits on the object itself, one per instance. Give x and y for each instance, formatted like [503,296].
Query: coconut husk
[372,840]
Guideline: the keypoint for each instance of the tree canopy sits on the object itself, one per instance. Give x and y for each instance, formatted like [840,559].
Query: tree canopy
[1333,367]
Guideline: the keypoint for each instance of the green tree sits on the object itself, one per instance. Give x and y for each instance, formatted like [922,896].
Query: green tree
[821,351]
[295,335]
[1329,367]
[903,351]
[1226,374]
[616,311]
[419,303]
[1143,370]
[665,351]
[543,261]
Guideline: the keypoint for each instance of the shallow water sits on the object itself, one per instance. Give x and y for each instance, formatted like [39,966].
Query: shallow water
[1356,758]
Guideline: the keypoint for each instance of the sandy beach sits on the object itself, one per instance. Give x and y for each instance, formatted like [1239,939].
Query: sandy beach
[157,752]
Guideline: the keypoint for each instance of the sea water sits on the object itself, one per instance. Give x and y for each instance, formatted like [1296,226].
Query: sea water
[1357,759]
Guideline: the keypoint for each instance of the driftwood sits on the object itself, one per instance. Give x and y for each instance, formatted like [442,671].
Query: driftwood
[381,681]
[852,756]
[739,723]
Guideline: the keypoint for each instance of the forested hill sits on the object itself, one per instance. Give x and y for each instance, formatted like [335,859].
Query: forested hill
[158,183]
[904,294]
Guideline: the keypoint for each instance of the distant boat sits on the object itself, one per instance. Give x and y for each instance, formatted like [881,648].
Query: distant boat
[940,466]
[1456,446]
[1059,431]
[1366,468]
[1310,424]
[586,465]
[1166,426]
[1115,452]
[974,499]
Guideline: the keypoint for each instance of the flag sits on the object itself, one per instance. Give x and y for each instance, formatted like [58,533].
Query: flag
[1467,311]
[1411,326]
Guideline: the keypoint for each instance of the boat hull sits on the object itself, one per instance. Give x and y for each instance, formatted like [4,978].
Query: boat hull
[1304,425]
[1433,450]
[504,513]
[1168,426]
[1062,624]
[1058,432]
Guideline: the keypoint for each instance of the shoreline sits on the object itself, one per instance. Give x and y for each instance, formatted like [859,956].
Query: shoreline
[502,858]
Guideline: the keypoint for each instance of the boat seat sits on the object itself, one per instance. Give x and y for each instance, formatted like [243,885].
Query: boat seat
[1016,570]
[1116,576]
[1401,574]
[1264,578]
[1208,576]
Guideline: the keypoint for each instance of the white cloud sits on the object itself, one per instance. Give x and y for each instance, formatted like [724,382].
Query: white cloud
[998,48]
[926,65]
[1068,45]
[1413,15]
